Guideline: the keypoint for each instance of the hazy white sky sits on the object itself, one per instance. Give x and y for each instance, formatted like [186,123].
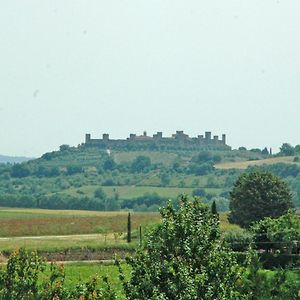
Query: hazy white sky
[71,67]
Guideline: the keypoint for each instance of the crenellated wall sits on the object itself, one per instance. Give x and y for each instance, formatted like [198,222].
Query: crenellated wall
[179,140]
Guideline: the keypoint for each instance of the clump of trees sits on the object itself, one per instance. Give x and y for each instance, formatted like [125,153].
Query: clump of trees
[146,202]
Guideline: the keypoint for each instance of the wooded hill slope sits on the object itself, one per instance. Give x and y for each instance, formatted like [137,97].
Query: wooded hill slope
[92,178]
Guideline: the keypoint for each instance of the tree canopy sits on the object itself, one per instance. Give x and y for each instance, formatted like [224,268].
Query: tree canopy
[281,234]
[140,163]
[257,195]
[184,258]
[287,150]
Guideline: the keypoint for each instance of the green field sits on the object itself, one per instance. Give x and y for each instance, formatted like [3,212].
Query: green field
[39,222]
[57,230]
[83,272]
[76,243]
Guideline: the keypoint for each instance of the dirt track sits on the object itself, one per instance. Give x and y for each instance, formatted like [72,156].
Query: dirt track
[59,237]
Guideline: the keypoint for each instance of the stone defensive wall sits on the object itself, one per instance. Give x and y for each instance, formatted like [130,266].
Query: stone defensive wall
[178,141]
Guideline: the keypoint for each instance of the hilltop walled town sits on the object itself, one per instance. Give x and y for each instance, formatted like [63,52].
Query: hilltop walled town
[178,140]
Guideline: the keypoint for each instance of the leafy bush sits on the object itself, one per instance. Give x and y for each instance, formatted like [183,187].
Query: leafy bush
[281,234]
[100,194]
[74,169]
[201,169]
[109,164]
[20,281]
[199,193]
[257,283]
[20,170]
[184,258]
[140,163]
[25,279]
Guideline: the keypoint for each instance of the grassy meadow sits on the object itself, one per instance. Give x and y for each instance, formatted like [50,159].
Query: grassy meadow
[82,272]
[40,222]
[58,230]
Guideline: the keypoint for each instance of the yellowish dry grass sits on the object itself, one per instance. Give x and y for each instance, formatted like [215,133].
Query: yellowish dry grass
[246,164]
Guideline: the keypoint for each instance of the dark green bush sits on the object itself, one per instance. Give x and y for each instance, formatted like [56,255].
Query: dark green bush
[238,240]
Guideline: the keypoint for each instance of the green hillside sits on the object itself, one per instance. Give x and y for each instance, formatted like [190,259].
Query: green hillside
[143,180]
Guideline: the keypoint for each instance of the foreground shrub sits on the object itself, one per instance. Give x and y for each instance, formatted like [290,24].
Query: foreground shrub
[20,280]
[25,279]
[184,258]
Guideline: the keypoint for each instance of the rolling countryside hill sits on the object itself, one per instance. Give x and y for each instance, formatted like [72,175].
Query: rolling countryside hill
[140,179]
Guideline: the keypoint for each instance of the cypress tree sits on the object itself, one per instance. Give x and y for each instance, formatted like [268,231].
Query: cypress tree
[141,235]
[214,208]
[129,228]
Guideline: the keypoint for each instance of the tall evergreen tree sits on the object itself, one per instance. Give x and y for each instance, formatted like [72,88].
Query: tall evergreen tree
[129,228]
[214,208]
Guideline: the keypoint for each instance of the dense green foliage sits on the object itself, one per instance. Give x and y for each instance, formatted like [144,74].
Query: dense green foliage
[239,240]
[287,149]
[257,284]
[258,195]
[184,258]
[25,278]
[280,234]
[277,239]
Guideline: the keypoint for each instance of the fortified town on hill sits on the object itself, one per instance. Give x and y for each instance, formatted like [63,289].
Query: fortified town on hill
[178,141]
